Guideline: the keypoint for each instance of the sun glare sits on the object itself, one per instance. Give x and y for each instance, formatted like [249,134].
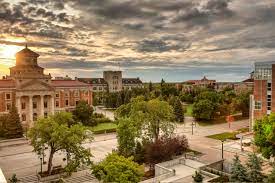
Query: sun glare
[9,51]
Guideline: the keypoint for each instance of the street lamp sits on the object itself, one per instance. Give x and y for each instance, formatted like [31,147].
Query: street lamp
[192,127]
[41,164]
[222,148]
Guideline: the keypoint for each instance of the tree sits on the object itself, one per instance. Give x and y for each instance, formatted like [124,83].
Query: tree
[242,103]
[238,171]
[197,177]
[126,137]
[264,135]
[150,86]
[119,100]
[254,168]
[178,110]
[13,179]
[204,109]
[13,127]
[164,149]
[271,176]
[57,133]
[83,113]
[116,168]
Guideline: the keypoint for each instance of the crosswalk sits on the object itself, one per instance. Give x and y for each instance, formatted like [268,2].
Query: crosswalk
[29,179]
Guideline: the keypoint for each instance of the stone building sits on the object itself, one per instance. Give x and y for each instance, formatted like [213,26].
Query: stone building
[35,94]
[112,81]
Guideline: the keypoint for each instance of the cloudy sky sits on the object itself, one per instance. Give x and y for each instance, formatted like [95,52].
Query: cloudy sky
[152,39]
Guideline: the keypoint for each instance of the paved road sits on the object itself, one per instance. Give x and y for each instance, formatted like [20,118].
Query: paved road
[19,158]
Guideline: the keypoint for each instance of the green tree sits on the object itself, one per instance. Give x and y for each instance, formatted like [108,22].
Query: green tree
[178,110]
[13,127]
[126,137]
[254,168]
[150,86]
[264,135]
[115,168]
[119,100]
[83,113]
[198,178]
[242,103]
[57,134]
[271,176]
[238,171]
[13,179]
[204,109]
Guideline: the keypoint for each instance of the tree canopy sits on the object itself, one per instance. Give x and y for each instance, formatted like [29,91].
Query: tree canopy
[238,171]
[83,113]
[116,168]
[56,133]
[12,124]
[264,135]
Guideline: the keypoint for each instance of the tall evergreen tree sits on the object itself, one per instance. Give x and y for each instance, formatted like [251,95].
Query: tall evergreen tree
[178,110]
[271,176]
[150,86]
[13,125]
[238,171]
[254,168]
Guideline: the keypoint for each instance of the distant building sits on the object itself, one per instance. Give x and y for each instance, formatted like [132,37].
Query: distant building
[263,98]
[204,82]
[36,94]
[112,81]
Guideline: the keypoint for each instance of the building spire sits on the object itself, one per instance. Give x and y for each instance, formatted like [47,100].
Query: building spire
[26,45]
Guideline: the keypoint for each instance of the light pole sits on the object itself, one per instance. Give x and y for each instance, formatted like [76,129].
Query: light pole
[222,148]
[41,165]
[192,128]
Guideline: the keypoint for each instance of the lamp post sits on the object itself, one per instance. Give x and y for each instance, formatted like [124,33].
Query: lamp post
[41,165]
[222,148]
[192,128]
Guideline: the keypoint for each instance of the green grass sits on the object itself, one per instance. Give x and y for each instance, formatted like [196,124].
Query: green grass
[189,110]
[228,135]
[102,127]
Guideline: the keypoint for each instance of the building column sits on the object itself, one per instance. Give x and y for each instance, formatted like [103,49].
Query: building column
[30,109]
[18,105]
[52,104]
[41,106]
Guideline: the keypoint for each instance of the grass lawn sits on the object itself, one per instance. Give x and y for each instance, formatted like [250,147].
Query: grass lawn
[228,135]
[189,110]
[102,127]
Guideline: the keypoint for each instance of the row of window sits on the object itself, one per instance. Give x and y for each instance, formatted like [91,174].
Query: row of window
[34,116]
[67,94]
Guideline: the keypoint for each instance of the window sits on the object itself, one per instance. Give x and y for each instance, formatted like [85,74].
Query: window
[34,105]
[8,96]
[67,102]
[76,102]
[268,86]
[57,95]
[8,106]
[57,103]
[94,88]
[67,94]
[76,93]
[34,116]
[23,116]
[45,104]
[45,114]
[23,105]
[258,105]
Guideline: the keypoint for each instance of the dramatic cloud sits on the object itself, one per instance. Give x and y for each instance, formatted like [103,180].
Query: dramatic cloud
[182,39]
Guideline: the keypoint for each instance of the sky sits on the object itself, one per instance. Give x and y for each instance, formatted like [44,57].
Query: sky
[176,40]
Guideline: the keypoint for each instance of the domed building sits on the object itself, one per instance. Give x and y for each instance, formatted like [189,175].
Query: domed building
[36,94]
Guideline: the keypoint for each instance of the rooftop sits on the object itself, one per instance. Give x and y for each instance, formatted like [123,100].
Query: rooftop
[7,83]
[68,83]
[27,52]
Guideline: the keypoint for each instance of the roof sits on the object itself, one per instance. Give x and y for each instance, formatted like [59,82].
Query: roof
[7,83]
[68,83]
[131,81]
[93,80]
[27,52]
[248,80]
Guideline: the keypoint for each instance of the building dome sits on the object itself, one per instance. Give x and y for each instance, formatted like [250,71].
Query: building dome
[26,52]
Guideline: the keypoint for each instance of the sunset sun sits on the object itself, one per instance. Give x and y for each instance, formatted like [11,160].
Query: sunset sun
[9,51]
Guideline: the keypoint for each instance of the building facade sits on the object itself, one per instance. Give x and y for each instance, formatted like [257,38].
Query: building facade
[263,98]
[112,81]
[35,94]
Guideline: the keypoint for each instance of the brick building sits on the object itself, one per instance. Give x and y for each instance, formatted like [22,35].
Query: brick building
[36,94]
[262,102]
